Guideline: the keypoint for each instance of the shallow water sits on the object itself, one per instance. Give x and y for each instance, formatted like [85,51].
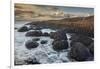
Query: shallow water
[43,53]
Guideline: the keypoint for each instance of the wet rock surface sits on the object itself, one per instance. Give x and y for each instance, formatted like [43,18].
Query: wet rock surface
[59,35]
[36,39]
[44,42]
[45,34]
[31,44]
[23,29]
[79,52]
[81,38]
[34,33]
[60,45]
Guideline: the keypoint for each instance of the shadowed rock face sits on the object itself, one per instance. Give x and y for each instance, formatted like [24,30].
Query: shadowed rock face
[79,52]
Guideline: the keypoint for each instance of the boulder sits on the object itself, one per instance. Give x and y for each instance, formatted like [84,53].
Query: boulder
[34,33]
[45,34]
[81,38]
[79,52]
[23,29]
[60,45]
[36,39]
[32,61]
[59,35]
[44,42]
[30,44]
[91,48]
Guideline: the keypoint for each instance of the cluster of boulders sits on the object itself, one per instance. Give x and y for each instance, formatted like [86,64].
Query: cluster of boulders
[27,28]
[33,31]
[60,40]
[82,48]
[31,44]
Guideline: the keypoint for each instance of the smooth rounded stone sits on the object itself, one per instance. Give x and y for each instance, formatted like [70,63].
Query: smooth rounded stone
[60,45]
[81,38]
[91,48]
[44,42]
[45,34]
[34,33]
[36,39]
[79,52]
[32,61]
[31,44]
[59,35]
[23,29]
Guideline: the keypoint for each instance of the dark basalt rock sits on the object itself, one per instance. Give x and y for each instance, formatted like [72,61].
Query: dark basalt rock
[34,33]
[45,34]
[60,45]
[30,44]
[31,61]
[36,39]
[81,38]
[79,52]
[44,42]
[59,35]
[23,29]
[91,48]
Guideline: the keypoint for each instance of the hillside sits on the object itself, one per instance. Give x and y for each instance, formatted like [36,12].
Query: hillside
[78,24]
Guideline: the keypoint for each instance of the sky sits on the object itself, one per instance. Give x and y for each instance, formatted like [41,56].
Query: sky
[76,10]
[47,9]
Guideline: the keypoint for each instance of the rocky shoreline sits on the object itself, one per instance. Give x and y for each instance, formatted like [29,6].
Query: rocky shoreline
[80,47]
